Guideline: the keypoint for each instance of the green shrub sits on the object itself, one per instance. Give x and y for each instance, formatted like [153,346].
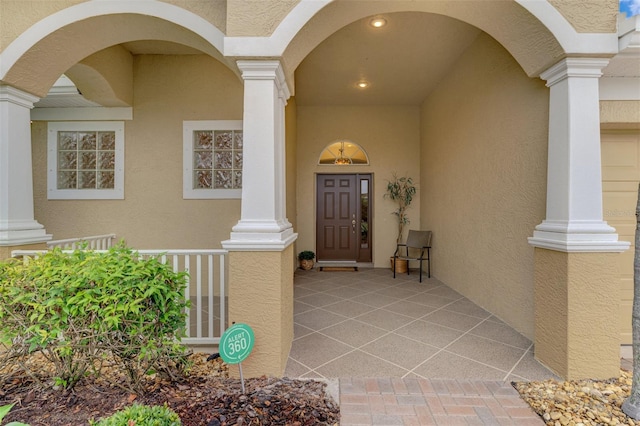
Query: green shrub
[76,307]
[4,410]
[142,415]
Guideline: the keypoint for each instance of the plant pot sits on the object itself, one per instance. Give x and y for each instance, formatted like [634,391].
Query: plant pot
[401,267]
[306,264]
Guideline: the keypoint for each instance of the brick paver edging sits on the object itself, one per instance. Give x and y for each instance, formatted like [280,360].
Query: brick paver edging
[395,401]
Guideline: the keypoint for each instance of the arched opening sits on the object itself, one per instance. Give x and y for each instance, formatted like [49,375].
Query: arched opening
[449,106]
[343,153]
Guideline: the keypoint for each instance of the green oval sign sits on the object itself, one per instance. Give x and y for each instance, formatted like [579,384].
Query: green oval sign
[236,343]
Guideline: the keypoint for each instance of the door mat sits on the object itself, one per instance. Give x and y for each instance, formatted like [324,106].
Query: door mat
[339,268]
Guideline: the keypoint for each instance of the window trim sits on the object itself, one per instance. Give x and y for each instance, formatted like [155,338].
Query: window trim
[188,190]
[53,193]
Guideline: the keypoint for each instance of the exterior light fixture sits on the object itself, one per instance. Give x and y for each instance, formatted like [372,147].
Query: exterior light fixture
[342,160]
[362,84]
[378,22]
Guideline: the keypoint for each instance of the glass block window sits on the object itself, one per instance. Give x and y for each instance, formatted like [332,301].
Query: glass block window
[212,159]
[85,160]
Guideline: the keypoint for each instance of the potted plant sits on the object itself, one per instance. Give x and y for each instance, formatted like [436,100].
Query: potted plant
[306,259]
[401,190]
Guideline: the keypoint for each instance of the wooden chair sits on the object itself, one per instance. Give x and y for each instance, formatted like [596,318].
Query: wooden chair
[417,246]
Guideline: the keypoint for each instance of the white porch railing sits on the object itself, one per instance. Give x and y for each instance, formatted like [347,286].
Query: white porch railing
[97,242]
[206,289]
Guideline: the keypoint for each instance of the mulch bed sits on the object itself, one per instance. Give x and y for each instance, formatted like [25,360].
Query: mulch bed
[206,397]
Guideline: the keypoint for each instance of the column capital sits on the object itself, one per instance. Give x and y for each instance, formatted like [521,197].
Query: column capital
[574,67]
[265,70]
[17,96]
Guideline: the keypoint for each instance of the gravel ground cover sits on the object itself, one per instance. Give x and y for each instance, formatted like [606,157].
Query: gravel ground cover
[579,402]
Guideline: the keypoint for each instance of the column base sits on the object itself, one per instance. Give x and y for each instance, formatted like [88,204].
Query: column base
[250,237]
[585,236]
[577,332]
[17,233]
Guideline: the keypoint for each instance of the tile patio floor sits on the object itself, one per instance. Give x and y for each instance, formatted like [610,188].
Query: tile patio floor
[406,352]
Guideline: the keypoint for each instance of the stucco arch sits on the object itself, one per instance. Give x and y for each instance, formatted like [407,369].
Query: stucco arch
[105,77]
[49,48]
[534,33]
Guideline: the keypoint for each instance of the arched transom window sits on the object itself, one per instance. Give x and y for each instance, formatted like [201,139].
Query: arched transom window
[343,153]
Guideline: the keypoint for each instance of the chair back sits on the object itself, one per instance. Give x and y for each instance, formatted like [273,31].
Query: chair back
[419,239]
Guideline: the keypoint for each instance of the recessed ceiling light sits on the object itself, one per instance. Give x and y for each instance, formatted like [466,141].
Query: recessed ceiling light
[378,22]
[362,84]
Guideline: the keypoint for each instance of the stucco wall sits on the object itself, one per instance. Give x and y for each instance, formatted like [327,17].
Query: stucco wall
[167,90]
[390,136]
[589,16]
[18,15]
[620,114]
[256,17]
[484,133]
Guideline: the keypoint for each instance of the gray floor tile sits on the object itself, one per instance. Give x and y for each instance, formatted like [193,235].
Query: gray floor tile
[300,307]
[501,333]
[319,299]
[295,369]
[391,339]
[446,365]
[446,292]
[360,364]
[432,300]
[300,331]
[400,350]
[385,319]
[318,319]
[374,299]
[530,369]
[487,351]
[315,349]
[349,308]
[397,292]
[452,320]
[345,292]
[467,307]
[410,309]
[429,333]
[354,333]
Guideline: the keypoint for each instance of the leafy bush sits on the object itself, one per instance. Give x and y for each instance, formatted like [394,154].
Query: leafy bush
[142,415]
[4,410]
[78,307]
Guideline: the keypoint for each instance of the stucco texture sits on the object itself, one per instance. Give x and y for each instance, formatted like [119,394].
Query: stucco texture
[390,135]
[577,299]
[167,90]
[620,114]
[18,15]
[483,182]
[589,16]
[256,17]
[261,295]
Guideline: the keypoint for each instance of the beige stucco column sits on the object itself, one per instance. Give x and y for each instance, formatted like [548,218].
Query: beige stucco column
[17,224]
[261,244]
[576,273]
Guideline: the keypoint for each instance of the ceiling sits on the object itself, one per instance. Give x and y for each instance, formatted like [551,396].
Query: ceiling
[402,61]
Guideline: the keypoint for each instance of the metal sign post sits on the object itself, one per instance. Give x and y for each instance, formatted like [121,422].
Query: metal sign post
[235,346]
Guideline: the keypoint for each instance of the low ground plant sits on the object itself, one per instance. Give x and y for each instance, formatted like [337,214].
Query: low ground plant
[81,307]
[142,415]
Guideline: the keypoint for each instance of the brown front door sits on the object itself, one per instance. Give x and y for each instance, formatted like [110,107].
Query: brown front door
[343,219]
